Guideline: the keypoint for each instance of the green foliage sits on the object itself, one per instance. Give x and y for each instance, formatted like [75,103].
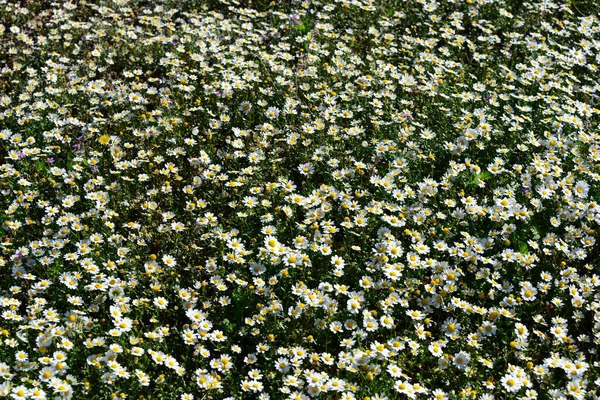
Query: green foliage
[235,199]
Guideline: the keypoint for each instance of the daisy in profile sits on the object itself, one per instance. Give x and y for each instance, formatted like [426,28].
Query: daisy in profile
[439,394]
[379,397]
[415,315]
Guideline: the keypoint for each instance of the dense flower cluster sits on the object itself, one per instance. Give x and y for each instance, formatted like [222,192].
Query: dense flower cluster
[343,199]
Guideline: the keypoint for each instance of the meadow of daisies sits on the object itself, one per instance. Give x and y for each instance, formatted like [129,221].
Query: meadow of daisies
[328,199]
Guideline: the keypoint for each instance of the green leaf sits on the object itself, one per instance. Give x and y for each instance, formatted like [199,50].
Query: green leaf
[302,28]
[536,233]
[229,326]
[523,248]
[483,177]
